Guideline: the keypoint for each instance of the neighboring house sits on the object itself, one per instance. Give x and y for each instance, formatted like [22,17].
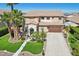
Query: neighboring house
[50,21]
[73,19]
[1,12]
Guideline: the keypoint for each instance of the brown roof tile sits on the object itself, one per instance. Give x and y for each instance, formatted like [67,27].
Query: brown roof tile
[74,18]
[43,13]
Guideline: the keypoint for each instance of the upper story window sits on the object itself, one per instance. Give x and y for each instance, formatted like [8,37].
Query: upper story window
[48,18]
[52,17]
[42,17]
[59,18]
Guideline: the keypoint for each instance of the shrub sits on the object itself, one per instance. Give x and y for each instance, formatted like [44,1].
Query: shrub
[38,35]
[76,35]
[40,41]
[75,49]
[42,35]
[35,35]
[3,31]
[22,38]
[71,31]
[72,40]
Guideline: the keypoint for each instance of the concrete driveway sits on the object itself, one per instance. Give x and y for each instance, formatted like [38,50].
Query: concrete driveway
[56,45]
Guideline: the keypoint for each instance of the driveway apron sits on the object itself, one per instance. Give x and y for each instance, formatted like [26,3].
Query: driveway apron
[56,45]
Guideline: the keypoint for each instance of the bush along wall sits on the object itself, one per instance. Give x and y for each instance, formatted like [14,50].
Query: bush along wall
[4,31]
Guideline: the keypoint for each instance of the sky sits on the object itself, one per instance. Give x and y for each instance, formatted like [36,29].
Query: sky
[65,7]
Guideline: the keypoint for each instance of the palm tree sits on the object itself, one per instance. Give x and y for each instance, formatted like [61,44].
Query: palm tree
[11,5]
[6,17]
[13,20]
[17,21]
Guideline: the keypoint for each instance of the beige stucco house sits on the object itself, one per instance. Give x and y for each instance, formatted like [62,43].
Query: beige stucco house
[50,21]
[74,18]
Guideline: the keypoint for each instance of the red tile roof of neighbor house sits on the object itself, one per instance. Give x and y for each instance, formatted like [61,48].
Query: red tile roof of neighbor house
[38,13]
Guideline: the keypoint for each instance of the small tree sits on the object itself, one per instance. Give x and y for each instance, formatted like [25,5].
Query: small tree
[42,34]
[76,35]
[31,30]
[39,36]
[35,35]
[11,5]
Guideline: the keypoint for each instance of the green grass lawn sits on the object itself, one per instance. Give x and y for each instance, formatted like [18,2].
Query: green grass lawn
[34,47]
[5,45]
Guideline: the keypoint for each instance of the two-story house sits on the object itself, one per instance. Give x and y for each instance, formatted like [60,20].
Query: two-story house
[50,21]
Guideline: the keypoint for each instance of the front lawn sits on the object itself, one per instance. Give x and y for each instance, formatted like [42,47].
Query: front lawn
[5,45]
[34,47]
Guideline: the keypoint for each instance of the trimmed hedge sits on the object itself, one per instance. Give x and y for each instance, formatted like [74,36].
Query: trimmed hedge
[3,31]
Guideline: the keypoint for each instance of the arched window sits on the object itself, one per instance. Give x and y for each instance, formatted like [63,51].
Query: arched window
[31,30]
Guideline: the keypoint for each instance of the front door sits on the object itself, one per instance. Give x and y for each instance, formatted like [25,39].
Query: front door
[31,30]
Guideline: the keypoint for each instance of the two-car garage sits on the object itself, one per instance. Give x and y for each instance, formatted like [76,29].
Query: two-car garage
[55,28]
[52,28]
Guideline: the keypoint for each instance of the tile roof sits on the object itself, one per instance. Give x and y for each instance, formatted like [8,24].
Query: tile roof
[73,18]
[43,13]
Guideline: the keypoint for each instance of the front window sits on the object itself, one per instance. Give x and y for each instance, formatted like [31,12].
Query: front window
[52,17]
[59,18]
[42,17]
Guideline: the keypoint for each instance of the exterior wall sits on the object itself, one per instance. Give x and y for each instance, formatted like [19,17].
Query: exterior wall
[55,19]
[32,20]
[45,29]
[52,28]
[45,19]
[29,26]
[51,19]
[32,26]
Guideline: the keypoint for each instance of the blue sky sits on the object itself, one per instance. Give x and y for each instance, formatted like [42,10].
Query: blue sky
[66,7]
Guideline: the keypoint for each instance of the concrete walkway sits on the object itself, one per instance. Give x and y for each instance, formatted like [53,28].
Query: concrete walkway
[56,45]
[21,47]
